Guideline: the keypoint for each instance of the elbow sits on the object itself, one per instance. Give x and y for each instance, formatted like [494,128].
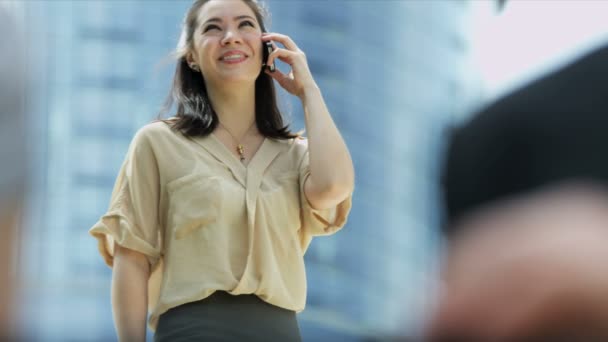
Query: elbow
[339,185]
[343,187]
[339,191]
[330,190]
[332,193]
[131,259]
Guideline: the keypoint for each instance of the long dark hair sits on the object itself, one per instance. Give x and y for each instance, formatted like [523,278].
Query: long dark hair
[195,115]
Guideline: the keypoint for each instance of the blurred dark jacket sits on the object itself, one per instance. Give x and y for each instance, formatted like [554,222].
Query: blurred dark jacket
[553,130]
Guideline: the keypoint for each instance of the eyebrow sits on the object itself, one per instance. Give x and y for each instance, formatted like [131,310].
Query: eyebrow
[218,20]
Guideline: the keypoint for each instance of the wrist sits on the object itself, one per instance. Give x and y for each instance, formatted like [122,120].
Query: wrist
[309,90]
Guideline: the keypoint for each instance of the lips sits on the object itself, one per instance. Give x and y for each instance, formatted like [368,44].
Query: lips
[234,56]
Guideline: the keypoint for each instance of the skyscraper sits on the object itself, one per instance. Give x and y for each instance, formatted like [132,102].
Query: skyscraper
[99,77]
[393,74]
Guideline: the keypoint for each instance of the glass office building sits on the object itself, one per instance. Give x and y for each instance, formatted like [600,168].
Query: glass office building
[99,76]
[393,73]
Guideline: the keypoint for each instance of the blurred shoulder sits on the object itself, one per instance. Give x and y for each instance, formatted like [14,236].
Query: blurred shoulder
[155,133]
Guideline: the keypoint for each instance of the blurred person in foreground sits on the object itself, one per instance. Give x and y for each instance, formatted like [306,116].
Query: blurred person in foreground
[12,166]
[213,209]
[526,188]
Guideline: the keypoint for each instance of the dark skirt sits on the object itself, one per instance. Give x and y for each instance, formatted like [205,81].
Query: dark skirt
[224,317]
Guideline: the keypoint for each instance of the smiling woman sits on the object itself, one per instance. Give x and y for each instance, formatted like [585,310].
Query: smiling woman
[214,208]
[190,94]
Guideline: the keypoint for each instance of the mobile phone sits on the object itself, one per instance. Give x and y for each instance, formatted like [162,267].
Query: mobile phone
[268,48]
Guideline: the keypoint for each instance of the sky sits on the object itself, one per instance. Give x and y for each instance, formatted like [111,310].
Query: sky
[531,37]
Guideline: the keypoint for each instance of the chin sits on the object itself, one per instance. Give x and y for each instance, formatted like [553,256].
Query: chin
[239,78]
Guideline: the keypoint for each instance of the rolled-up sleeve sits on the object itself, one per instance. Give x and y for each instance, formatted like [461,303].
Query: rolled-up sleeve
[132,218]
[320,222]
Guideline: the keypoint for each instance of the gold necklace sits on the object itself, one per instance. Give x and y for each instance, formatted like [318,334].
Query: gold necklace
[240,149]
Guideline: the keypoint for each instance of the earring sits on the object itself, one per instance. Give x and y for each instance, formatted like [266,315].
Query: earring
[195,67]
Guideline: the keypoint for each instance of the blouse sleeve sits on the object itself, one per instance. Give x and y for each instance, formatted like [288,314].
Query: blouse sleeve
[320,222]
[132,218]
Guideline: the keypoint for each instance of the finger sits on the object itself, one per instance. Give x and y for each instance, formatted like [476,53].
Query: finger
[285,81]
[283,55]
[277,75]
[287,42]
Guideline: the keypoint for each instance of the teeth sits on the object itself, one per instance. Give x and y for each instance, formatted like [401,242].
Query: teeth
[233,57]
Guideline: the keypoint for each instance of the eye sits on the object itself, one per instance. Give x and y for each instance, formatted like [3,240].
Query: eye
[211,27]
[247,23]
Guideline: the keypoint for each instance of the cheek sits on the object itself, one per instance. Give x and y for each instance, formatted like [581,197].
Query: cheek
[204,51]
[255,42]
[257,50]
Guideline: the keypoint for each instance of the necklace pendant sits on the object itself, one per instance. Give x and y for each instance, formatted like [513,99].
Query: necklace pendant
[241,150]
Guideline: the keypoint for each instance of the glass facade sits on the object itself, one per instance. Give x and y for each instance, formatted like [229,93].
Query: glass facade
[393,73]
[100,78]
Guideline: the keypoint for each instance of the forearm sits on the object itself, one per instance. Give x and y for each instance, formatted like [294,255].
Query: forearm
[130,297]
[331,166]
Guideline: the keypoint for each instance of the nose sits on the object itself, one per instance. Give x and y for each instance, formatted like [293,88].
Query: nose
[231,36]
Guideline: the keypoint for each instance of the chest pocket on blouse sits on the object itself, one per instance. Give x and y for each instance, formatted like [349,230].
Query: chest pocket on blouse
[193,203]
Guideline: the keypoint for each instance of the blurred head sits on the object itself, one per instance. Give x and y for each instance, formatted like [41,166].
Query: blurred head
[221,44]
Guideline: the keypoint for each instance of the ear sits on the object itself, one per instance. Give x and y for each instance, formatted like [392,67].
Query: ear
[189,57]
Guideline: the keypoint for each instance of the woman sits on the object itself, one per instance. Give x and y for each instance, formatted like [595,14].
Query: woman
[213,209]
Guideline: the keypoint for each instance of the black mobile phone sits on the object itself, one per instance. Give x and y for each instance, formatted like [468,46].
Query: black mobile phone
[267,47]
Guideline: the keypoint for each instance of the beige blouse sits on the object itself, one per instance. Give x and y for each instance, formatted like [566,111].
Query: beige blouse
[207,222]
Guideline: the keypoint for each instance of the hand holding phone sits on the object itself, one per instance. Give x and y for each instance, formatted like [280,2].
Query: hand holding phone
[268,48]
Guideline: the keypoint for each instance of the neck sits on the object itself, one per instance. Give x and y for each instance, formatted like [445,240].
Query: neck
[235,107]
